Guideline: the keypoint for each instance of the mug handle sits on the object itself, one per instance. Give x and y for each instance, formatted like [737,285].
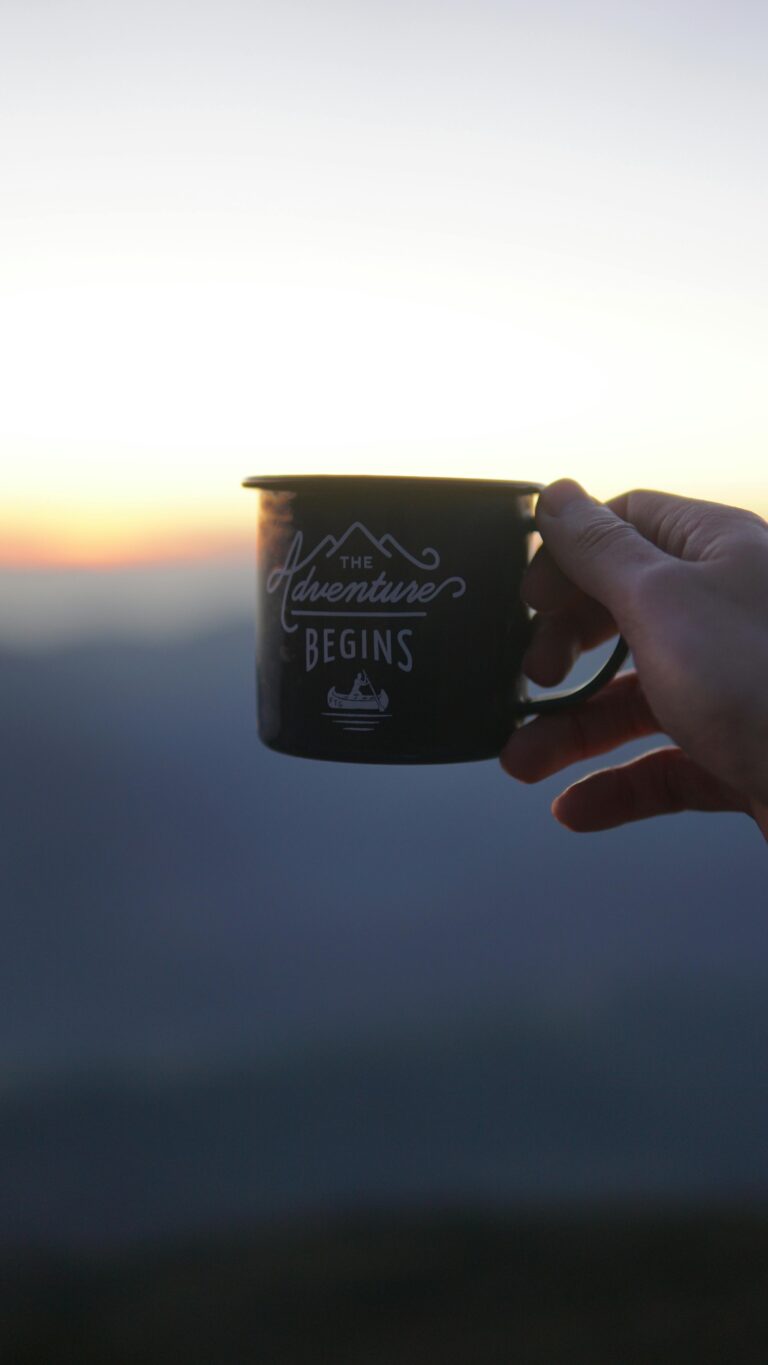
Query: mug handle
[560,701]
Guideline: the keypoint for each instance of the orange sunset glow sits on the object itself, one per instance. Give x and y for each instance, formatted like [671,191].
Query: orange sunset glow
[521,267]
[108,539]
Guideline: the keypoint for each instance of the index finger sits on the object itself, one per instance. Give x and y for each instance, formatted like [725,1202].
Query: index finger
[684,528]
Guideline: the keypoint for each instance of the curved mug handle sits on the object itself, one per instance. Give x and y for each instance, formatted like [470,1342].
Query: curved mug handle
[560,701]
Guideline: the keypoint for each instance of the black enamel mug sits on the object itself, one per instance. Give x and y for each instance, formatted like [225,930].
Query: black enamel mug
[389,622]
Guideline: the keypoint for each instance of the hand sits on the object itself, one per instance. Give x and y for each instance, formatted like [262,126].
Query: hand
[686,583]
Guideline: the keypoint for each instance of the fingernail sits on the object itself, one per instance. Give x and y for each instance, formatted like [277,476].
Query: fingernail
[559,495]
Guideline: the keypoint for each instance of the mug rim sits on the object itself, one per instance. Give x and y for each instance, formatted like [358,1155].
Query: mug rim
[270,481]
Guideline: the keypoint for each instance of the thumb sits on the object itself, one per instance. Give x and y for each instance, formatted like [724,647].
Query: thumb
[598,551]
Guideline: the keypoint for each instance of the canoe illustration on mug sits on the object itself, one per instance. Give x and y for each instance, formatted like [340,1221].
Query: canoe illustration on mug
[361,697]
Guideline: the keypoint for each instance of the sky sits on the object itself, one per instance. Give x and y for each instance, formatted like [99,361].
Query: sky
[469,237]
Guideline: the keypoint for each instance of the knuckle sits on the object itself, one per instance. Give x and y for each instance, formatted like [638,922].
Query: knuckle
[709,530]
[677,527]
[578,744]
[671,793]
[748,551]
[745,520]
[600,534]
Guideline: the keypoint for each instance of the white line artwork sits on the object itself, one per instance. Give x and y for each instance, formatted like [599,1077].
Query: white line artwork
[312,593]
[361,708]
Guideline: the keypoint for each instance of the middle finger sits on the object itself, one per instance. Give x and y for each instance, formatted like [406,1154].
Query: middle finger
[617,714]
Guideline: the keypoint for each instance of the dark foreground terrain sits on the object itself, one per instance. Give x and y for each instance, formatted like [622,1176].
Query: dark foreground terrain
[445,1289]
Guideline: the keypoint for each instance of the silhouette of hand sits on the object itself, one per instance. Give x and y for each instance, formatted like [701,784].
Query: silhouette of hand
[686,583]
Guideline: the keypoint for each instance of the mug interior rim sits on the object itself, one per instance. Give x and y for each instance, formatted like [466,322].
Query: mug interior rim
[270,481]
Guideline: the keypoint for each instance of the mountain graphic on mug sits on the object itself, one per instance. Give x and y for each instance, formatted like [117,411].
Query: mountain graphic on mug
[355,547]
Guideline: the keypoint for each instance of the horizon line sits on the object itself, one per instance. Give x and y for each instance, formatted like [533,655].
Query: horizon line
[25,552]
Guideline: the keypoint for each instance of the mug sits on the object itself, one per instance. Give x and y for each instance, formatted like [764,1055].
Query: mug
[390,627]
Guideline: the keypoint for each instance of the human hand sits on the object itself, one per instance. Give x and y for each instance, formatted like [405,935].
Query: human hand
[686,584]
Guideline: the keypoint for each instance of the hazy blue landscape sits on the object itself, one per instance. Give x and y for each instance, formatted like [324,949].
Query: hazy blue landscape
[239,986]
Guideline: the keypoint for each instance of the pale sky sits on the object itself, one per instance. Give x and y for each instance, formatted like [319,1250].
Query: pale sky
[520,240]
